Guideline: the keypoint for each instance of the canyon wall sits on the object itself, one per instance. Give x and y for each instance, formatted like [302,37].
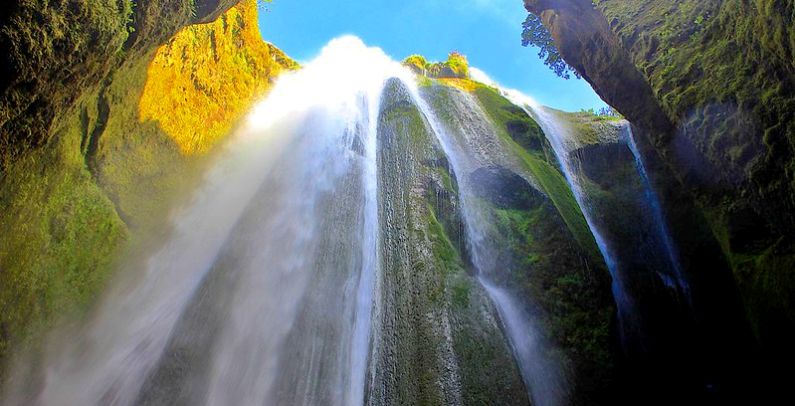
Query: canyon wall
[708,86]
[90,158]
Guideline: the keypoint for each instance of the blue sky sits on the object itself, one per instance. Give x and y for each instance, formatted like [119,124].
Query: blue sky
[487,31]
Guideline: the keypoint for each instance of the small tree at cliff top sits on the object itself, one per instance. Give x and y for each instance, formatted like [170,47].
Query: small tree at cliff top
[536,34]
[458,64]
[417,63]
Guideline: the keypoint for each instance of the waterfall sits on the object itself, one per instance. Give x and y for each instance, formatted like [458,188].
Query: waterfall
[558,136]
[263,292]
[471,144]
[271,284]
[677,281]
[656,256]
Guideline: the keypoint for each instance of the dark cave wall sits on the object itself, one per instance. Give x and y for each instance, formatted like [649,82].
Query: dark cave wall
[709,87]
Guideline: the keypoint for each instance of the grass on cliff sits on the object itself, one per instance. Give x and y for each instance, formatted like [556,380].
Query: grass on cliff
[526,139]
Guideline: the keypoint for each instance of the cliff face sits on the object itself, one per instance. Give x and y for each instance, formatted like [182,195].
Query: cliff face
[709,86]
[539,247]
[89,161]
[438,333]
[49,49]
[196,99]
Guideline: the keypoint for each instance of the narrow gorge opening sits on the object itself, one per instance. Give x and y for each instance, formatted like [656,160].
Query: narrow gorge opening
[191,217]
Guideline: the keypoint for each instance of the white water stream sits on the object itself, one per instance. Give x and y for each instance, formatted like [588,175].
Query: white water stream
[265,291]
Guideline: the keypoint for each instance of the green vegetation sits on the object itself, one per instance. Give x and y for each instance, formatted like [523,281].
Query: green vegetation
[737,107]
[722,72]
[546,253]
[478,349]
[417,63]
[55,51]
[62,230]
[208,76]
[437,333]
[456,66]
[536,34]
[101,179]
[574,296]
[60,233]
[766,280]
[444,252]
[525,138]
[590,128]
[544,266]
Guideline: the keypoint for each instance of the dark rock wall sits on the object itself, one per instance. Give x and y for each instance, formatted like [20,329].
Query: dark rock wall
[80,173]
[709,88]
[52,51]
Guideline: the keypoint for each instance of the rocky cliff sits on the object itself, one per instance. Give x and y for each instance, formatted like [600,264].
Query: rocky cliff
[439,330]
[88,159]
[709,87]
[536,243]
[49,49]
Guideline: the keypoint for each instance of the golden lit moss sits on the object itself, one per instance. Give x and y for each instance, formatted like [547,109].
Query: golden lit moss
[205,78]
[466,85]
[417,63]
[456,66]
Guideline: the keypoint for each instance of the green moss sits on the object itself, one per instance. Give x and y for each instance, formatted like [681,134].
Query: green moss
[59,50]
[512,120]
[446,257]
[456,66]
[535,152]
[85,199]
[447,180]
[766,282]
[722,71]
[576,302]
[137,164]
[546,254]
[462,289]
[60,231]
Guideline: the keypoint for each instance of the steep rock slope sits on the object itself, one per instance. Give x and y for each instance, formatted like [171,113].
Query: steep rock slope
[537,245]
[50,48]
[439,333]
[84,171]
[196,100]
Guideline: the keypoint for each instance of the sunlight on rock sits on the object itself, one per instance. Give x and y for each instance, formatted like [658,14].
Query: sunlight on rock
[206,77]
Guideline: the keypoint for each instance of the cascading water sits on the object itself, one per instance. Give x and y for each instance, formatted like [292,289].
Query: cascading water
[473,143]
[263,292]
[656,255]
[270,288]
[677,281]
[557,134]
